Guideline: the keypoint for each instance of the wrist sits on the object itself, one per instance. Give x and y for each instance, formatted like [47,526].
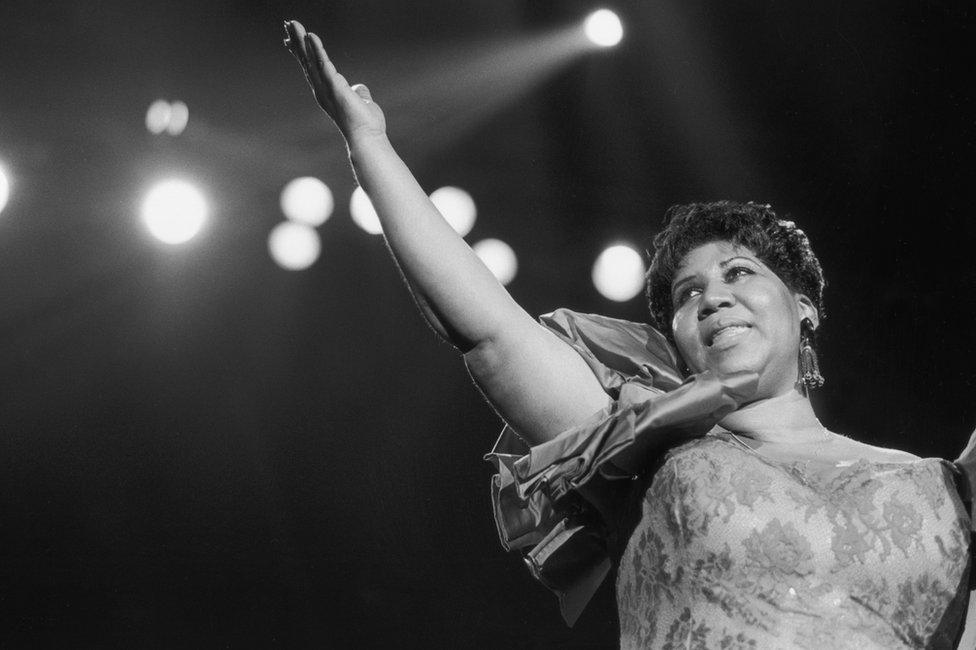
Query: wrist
[361,141]
[366,150]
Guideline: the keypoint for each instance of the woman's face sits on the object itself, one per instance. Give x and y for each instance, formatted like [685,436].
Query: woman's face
[732,313]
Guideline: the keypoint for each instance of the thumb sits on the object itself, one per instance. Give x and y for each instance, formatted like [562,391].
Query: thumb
[363,92]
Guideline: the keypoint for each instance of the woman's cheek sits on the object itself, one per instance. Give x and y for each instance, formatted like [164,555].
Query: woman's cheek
[686,338]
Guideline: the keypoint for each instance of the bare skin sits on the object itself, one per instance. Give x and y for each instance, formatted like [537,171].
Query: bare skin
[537,383]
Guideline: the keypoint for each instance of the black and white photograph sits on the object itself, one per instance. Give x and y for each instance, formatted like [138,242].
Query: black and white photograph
[512,324]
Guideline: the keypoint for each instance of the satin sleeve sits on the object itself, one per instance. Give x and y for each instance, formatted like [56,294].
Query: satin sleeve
[554,502]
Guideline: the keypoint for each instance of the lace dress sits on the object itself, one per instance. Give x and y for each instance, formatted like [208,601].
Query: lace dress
[715,545]
[734,550]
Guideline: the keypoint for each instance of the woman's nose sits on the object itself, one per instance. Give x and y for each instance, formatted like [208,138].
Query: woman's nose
[715,296]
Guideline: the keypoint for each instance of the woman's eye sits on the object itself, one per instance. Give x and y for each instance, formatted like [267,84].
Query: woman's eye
[685,295]
[737,272]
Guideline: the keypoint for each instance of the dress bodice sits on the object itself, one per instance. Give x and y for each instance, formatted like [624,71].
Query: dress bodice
[735,550]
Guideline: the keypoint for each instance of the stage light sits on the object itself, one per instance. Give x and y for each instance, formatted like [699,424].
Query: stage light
[307,200]
[363,213]
[498,257]
[294,246]
[157,117]
[603,28]
[174,211]
[179,115]
[457,206]
[618,273]
[4,188]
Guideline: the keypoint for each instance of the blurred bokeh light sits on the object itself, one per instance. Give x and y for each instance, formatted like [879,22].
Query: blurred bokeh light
[157,117]
[363,213]
[457,206]
[294,246]
[179,115]
[618,273]
[164,116]
[307,200]
[174,211]
[603,28]
[498,257]
[4,188]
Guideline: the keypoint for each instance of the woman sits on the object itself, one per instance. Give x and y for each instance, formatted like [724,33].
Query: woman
[742,521]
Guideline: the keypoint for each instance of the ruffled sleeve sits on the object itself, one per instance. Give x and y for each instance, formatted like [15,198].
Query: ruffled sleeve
[553,501]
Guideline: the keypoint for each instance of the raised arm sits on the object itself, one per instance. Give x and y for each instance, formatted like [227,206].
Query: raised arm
[538,384]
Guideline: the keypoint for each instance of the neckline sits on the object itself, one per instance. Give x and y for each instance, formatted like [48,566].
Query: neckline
[728,438]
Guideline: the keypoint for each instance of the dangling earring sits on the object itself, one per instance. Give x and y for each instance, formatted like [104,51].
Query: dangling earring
[809,366]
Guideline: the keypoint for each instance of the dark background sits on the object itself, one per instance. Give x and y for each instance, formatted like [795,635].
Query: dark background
[199,449]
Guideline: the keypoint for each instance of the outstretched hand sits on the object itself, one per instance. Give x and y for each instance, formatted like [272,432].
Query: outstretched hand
[350,107]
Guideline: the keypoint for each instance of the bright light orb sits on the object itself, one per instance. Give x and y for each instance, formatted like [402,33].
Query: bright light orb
[158,116]
[4,189]
[179,115]
[457,206]
[498,257]
[618,273]
[174,211]
[307,200]
[363,213]
[603,28]
[294,246]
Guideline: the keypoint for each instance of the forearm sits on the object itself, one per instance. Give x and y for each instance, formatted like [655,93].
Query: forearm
[430,315]
[457,293]
[534,380]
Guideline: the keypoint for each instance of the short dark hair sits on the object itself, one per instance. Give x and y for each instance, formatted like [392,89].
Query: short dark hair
[778,243]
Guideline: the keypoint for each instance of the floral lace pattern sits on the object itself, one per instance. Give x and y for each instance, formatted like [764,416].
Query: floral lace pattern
[733,550]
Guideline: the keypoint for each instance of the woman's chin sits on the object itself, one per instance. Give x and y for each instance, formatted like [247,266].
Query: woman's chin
[730,364]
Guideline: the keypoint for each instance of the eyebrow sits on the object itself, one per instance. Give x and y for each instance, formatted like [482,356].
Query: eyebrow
[723,265]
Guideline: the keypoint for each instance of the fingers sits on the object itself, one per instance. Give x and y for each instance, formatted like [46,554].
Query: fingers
[316,59]
[307,48]
[332,92]
[296,41]
[322,65]
[311,56]
[297,45]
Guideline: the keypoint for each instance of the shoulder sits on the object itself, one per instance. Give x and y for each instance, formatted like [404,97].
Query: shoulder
[873,453]
[707,446]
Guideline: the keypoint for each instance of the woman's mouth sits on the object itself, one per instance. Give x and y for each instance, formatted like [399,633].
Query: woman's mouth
[727,335]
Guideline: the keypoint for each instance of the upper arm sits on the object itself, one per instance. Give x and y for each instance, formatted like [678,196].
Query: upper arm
[538,384]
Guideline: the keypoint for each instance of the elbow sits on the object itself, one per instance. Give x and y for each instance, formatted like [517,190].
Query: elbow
[497,361]
[452,336]
[441,325]
[482,360]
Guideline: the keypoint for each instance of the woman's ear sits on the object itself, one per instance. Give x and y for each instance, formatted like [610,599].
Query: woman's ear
[807,309]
